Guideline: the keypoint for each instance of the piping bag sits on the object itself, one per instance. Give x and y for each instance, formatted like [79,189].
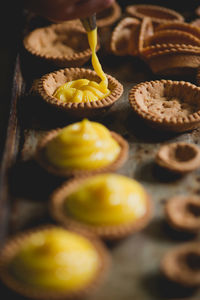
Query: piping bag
[89,23]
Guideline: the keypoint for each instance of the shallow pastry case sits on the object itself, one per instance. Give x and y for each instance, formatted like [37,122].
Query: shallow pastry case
[25,187]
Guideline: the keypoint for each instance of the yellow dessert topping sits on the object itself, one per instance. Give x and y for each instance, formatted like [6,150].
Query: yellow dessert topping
[83,145]
[107,199]
[84,90]
[56,260]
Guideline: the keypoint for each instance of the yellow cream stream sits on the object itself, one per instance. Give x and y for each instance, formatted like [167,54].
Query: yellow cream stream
[83,145]
[107,199]
[84,90]
[55,260]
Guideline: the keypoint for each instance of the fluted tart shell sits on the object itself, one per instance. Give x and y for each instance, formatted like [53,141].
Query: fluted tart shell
[182,213]
[179,157]
[62,45]
[167,105]
[47,85]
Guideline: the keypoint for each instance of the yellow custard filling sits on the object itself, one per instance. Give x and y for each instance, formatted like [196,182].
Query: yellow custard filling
[84,90]
[107,199]
[56,260]
[83,145]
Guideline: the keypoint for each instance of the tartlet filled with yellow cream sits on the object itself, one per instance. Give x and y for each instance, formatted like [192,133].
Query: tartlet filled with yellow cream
[81,148]
[52,263]
[80,92]
[110,205]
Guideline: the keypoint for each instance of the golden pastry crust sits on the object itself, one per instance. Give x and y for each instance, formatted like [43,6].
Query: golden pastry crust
[48,83]
[181,264]
[13,245]
[146,31]
[129,36]
[182,213]
[166,104]
[124,38]
[179,157]
[174,60]
[59,44]
[152,50]
[181,26]
[44,163]
[158,14]
[106,232]
[173,37]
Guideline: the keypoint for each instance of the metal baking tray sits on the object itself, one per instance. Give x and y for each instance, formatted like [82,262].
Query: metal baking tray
[25,187]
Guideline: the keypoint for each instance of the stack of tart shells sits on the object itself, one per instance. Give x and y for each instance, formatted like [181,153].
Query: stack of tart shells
[173,49]
[129,35]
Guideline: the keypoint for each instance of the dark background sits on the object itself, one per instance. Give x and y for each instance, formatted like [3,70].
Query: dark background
[11,23]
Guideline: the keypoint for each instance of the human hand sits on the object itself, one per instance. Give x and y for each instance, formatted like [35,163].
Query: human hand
[62,10]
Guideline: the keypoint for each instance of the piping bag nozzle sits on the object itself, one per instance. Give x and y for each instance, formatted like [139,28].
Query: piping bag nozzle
[89,23]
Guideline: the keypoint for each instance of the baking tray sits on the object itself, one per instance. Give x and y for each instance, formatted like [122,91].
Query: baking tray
[25,187]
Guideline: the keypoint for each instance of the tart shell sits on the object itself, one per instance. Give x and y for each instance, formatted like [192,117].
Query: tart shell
[158,14]
[60,52]
[12,246]
[180,157]
[181,264]
[48,83]
[124,39]
[150,100]
[106,232]
[40,158]
[174,60]
[182,213]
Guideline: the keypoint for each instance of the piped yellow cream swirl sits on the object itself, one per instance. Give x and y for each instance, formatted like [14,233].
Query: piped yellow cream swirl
[84,90]
[83,145]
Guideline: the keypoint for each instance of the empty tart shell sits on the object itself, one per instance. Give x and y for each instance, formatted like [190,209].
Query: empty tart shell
[173,37]
[148,51]
[158,14]
[62,45]
[180,157]
[128,38]
[12,246]
[47,85]
[104,231]
[175,60]
[182,213]
[181,26]
[181,264]
[64,172]
[124,39]
[166,104]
